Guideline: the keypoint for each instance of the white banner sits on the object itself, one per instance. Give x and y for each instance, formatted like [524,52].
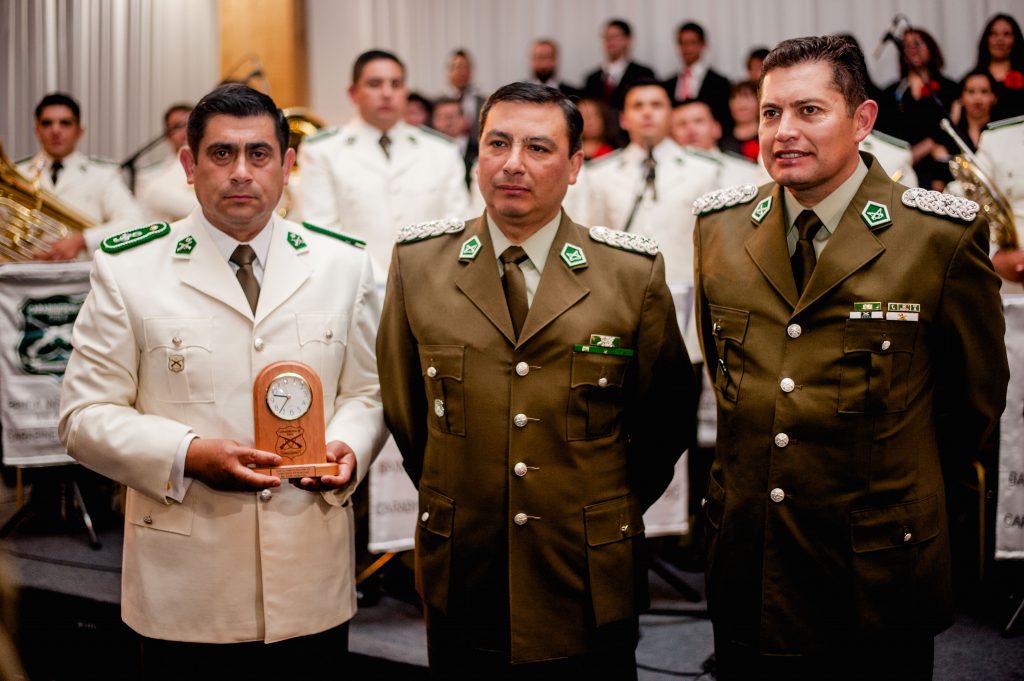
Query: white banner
[38,306]
[1010,505]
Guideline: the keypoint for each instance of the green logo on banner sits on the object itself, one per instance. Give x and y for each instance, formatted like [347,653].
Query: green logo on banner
[45,344]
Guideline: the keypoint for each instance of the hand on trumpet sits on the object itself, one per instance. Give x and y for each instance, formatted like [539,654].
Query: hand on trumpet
[64,249]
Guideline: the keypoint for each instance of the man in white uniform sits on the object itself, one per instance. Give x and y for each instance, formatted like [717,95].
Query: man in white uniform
[378,174]
[162,189]
[695,127]
[999,154]
[93,188]
[158,396]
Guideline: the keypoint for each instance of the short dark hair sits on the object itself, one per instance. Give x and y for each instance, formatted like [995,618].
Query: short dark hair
[174,108]
[691,26]
[646,82]
[427,104]
[531,93]
[849,73]
[59,99]
[620,24]
[757,53]
[235,99]
[460,52]
[984,73]
[373,55]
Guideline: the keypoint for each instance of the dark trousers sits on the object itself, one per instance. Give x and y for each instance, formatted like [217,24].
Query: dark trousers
[453,658]
[901,658]
[321,655]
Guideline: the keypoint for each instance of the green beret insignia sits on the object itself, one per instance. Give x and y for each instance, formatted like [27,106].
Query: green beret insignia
[358,243]
[625,241]
[134,237]
[428,230]
[724,198]
[946,205]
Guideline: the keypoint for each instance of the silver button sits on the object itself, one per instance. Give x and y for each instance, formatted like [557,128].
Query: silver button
[266,494]
[794,331]
[258,344]
[777,495]
[520,518]
[177,341]
[907,537]
[328,334]
[520,420]
[439,408]
[148,520]
[703,502]
[886,345]
[781,440]
[625,528]
[787,385]
[425,516]
[602,382]
[519,469]
[431,371]
[522,368]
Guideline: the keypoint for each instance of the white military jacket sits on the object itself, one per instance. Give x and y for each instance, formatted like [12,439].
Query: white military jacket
[166,345]
[615,180]
[349,184]
[164,192]
[93,188]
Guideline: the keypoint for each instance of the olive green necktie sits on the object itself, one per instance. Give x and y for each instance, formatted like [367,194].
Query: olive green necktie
[244,256]
[514,284]
[803,259]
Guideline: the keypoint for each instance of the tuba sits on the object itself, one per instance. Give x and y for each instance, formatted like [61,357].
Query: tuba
[31,218]
[979,188]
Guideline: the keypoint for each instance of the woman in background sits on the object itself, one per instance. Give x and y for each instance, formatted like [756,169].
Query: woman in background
[1001,53]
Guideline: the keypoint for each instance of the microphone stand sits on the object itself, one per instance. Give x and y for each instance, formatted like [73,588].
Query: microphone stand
[129,163]
[648,182]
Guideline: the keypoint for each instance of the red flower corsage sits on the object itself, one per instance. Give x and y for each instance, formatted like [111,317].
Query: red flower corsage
[1014,80]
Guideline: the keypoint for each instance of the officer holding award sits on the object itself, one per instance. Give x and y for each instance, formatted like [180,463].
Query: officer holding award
[183,323]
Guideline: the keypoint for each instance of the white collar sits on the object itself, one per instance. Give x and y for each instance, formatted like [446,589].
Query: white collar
[226,243]
[536,246]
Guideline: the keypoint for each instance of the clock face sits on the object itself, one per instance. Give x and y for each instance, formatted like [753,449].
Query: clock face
[289,396]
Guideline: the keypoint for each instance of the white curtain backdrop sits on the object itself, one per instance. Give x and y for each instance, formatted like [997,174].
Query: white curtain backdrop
[125,61]
[498,34]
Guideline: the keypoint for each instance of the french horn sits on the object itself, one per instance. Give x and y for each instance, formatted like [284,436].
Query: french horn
[979,187]
[31,218]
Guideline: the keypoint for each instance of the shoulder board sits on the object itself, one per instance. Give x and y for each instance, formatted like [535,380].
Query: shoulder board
[426,129]
[428,230]
[321,135]
[625,241]
[358,243]
[724,198]
[602,160]
[1005,123]
[102,161]
[732,155]
[703,155]
[24,160]
[945,205]
[895,141]
[134,237]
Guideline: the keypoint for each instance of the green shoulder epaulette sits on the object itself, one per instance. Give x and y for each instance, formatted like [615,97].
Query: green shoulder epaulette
[894,141]
[428,230]
[358,243]
[946,205]
[134,237]
[1005,123]
[724,198]
[24,160]
[625,241]
[103,161]
[321,135]
[703,155]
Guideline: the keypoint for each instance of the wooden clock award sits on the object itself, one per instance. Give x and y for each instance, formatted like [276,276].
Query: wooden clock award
[288,415]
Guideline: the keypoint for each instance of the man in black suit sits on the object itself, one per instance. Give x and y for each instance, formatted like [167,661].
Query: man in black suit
[544,67]
[610,82]
[697,80]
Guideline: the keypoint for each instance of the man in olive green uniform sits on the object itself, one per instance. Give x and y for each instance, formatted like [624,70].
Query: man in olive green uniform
[854,334]
[540,401]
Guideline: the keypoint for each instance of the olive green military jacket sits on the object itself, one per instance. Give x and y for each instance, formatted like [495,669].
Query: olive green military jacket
[536,458]
[825,503]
